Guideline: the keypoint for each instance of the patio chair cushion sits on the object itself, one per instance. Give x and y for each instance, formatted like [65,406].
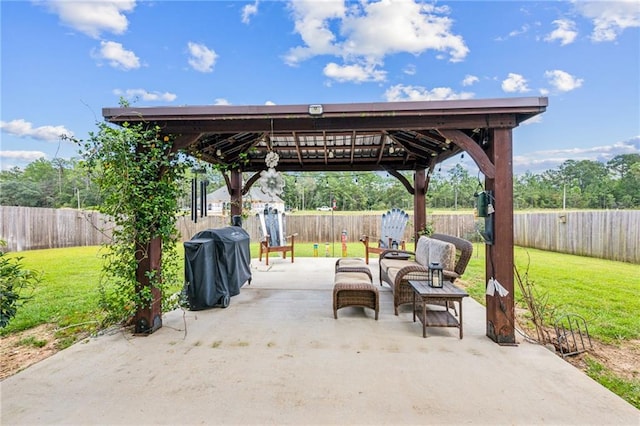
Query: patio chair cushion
[353,264]
[388,263]
[442,250]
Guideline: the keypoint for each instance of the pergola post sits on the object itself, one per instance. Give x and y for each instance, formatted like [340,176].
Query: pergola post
[236,192]
[419,205]
[149,255]
[499,256]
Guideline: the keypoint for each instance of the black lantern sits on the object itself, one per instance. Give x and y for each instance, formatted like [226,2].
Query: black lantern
[436,278]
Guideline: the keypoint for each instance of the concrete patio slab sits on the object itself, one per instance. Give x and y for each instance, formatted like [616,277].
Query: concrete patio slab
[276,355]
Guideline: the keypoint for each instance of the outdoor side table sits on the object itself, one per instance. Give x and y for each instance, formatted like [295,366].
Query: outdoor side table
[437,318]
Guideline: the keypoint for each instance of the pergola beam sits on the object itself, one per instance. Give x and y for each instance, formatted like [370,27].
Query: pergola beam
[472,148]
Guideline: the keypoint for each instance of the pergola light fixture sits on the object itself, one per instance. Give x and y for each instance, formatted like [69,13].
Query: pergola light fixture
[315,109]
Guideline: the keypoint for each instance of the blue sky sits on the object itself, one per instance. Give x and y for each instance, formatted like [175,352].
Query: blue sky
[63,61]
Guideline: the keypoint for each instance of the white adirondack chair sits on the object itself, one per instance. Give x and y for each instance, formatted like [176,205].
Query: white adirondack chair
[274,238]
[394,223]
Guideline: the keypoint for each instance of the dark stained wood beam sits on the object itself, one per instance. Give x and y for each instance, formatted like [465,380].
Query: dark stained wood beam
[324,140]
[249,183]
[186,140]
[474,150]
[419,205]
[403,180]
[353,145]
[296,140]
[383,135]
[499,256]
[338,124]
[148,255]
[236,192]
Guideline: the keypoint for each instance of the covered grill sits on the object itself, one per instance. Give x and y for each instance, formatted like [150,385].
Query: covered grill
[216,265]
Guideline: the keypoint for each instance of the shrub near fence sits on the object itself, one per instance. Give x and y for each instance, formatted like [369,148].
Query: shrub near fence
[613,235]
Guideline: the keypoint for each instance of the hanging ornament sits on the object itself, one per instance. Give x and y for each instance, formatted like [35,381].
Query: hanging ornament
[271,182]
[271,159]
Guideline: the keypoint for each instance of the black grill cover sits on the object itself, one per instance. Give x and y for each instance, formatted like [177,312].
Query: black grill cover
[216,265]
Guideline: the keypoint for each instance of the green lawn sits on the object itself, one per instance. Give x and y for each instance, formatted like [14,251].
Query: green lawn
[602,291]
[68,295]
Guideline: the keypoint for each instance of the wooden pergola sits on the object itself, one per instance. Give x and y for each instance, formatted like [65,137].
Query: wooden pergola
[385,136]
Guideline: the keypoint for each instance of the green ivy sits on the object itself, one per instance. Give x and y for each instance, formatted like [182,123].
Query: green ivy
[138,174]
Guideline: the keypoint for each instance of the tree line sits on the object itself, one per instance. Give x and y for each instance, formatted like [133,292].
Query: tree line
[575,184]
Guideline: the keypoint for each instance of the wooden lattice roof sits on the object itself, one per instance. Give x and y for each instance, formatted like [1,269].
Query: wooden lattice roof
[390,136]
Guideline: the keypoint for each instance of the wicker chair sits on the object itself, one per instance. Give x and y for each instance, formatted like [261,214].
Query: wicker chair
[398,273]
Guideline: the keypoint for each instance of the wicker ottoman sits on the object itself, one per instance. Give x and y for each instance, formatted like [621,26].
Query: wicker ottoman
[354,289]
[353,264]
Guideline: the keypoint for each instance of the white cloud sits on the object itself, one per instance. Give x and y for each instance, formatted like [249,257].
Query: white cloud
[270,103]
[515,83]
[353,73]
[565,32]
[25,129]
[563,81]
[93,17]
[312,21]
[388,27]
[221,101]
[610,18]
[117,56]
[145,95]
[470,80]
[539,161]
[248,11]
[366,32]
[522,30]
[400,92]
[27,156]
[202,58]
[409,69]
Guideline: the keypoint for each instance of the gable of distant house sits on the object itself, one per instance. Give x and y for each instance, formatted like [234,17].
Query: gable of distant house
[219,201]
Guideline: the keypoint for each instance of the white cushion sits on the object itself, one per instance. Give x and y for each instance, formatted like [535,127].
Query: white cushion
[442,252]
[387,263]
[422,250]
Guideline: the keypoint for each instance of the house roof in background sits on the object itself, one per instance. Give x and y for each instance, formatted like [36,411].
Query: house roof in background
[255,194]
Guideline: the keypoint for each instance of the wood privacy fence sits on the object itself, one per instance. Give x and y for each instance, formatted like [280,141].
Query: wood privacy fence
[613,235]
[30,228]
[607,234]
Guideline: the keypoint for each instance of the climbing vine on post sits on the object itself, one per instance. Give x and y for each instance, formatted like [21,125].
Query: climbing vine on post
[138,173]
